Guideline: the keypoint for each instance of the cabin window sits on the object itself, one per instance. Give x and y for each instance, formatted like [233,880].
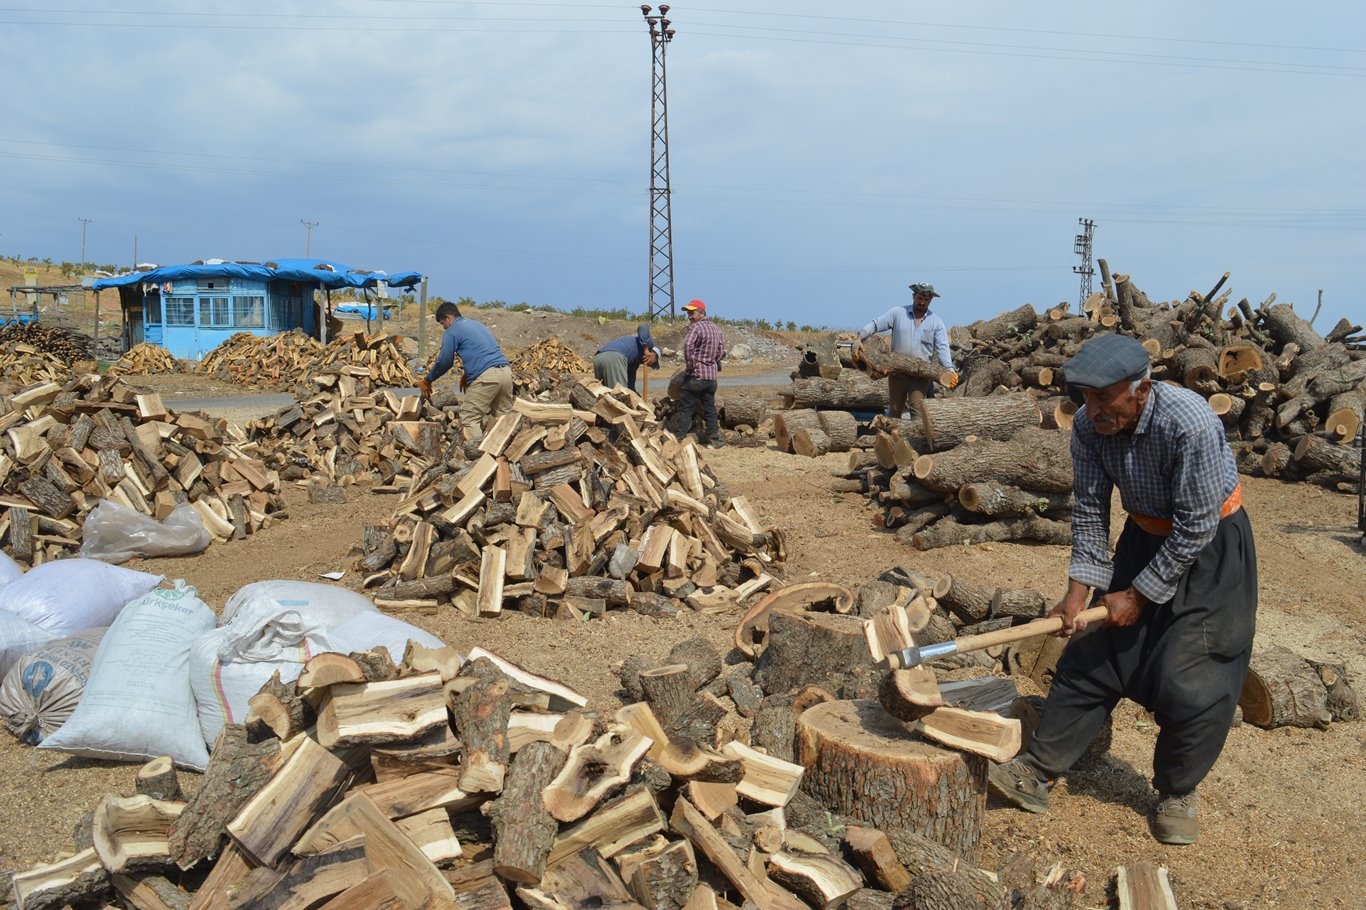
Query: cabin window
[219,311]
[180,311]
[249,312]
[153,308]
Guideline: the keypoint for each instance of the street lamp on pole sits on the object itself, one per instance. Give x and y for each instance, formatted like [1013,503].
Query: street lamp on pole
[84,222]
[308,240]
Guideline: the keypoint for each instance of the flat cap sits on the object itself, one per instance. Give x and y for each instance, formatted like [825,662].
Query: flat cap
[1106,360]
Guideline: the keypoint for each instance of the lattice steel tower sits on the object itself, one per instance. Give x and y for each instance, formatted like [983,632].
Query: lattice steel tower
[661,230]
[1082,247]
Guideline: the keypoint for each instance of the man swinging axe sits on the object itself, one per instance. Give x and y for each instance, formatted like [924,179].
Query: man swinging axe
[1180,591]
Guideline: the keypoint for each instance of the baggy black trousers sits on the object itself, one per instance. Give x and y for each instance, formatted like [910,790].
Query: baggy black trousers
[1184,660]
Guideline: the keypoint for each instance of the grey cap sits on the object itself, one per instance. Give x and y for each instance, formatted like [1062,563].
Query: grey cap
[643,334]
[922,288]
[1106,360]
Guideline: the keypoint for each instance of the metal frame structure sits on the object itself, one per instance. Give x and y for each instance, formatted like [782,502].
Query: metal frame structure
[661,296]
[1082,247]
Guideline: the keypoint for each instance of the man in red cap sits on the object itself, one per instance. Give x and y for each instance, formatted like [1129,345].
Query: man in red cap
[703,351]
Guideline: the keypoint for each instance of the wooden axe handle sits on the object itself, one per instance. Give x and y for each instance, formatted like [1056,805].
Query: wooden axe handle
[1045,626]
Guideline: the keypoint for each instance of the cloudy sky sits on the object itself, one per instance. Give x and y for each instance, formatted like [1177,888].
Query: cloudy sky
[823,155]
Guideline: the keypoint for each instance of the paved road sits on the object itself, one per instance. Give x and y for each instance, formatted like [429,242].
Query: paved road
[268,403]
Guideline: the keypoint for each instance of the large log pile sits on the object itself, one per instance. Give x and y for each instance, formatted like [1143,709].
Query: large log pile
[570,509]
[23,365]
[66,446]
[291,359]
[537,367]
[64,344]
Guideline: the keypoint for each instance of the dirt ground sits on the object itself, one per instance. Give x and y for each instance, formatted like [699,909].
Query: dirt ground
[1283,814]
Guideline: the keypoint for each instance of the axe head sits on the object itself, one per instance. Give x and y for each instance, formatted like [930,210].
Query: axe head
[905,658]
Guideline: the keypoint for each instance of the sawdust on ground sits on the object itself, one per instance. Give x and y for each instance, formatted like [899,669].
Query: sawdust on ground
[1283,813]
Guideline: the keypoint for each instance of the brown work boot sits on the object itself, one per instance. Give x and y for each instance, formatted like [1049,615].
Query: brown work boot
[1176,819]
[1017,783]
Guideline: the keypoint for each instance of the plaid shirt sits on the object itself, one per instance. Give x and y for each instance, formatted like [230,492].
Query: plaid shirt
[703,349]
[1175,464]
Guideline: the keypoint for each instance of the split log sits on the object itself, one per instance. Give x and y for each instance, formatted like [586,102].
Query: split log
[982,733]
[1143,886]
[612,827]
[525,829]
[766,779]
[922,856]
[130,833]
[662,876]
[592,771]
[1281,690]
[305,882]
[398,710]
[480,709]
[856,753]
[820,879]
[71,880]
[237,770]
[689,823]
[1036,460]
[872,851]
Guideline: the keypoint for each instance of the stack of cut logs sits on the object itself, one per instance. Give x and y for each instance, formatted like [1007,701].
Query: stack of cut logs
[349,432]
[143,359]
[62,343]
[466,781]
[291,359]
[66,446]
[569,510]
[23,364]
[542,366]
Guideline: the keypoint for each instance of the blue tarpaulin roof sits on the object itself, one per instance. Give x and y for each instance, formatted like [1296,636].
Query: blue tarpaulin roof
[320,271]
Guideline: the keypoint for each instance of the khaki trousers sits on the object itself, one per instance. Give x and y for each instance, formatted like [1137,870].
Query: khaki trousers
[488,398]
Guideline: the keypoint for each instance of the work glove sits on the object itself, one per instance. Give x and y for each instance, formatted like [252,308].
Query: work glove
[464,382]
[424,387]
[951,379]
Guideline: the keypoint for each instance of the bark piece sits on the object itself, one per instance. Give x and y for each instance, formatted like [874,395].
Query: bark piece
[689,823]
[237,769]
[525,828]
[612,827]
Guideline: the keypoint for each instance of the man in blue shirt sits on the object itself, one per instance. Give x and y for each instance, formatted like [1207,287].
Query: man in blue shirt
[1181,587]
[916,332]
[616,362]
[487,379]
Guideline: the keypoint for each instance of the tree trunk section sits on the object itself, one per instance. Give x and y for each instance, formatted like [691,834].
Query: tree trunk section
[883,361]
[998,499]
[946,532]
[1039,460]
[955,419]
[811,649]
[852,391]
[785,423]
[746,410]
[810,443]
[863,763]
[1283,690]
[841,427]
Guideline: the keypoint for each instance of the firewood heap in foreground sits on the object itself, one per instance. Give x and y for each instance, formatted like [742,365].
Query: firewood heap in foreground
[68,445]
[572,508]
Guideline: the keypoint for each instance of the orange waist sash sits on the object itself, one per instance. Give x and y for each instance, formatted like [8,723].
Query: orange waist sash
[1162,527]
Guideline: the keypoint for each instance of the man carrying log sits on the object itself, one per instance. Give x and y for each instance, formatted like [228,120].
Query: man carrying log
[1181,588]
[616,362]
[916,332]
[487,379]
[703,351]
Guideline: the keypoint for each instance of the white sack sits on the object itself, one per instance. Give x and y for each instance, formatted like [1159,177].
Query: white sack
[116,533]
[374,629]
[18,637]
[71,595]
[44,687]
[9,569]
[138,704]
[325,604]
[228,665]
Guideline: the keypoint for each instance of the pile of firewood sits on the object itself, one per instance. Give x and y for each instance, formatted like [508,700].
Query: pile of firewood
[64,344]
[570,509]
[256,360]
[462,780]
[143,359]
[23,364]
[376,356]
[551,355]
[348,432]
[66,446]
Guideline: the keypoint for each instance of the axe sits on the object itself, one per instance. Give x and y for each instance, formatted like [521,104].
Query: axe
[914,657]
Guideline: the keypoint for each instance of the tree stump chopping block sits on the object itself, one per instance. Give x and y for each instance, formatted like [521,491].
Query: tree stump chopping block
[863,763]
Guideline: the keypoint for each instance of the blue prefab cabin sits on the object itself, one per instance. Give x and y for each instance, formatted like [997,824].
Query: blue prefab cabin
[192,309]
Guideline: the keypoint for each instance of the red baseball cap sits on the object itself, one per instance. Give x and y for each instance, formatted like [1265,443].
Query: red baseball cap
[695,305]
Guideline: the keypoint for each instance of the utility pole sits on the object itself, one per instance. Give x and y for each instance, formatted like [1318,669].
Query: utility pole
[1082,247]
[84,222]
[661,230]
[308,240]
